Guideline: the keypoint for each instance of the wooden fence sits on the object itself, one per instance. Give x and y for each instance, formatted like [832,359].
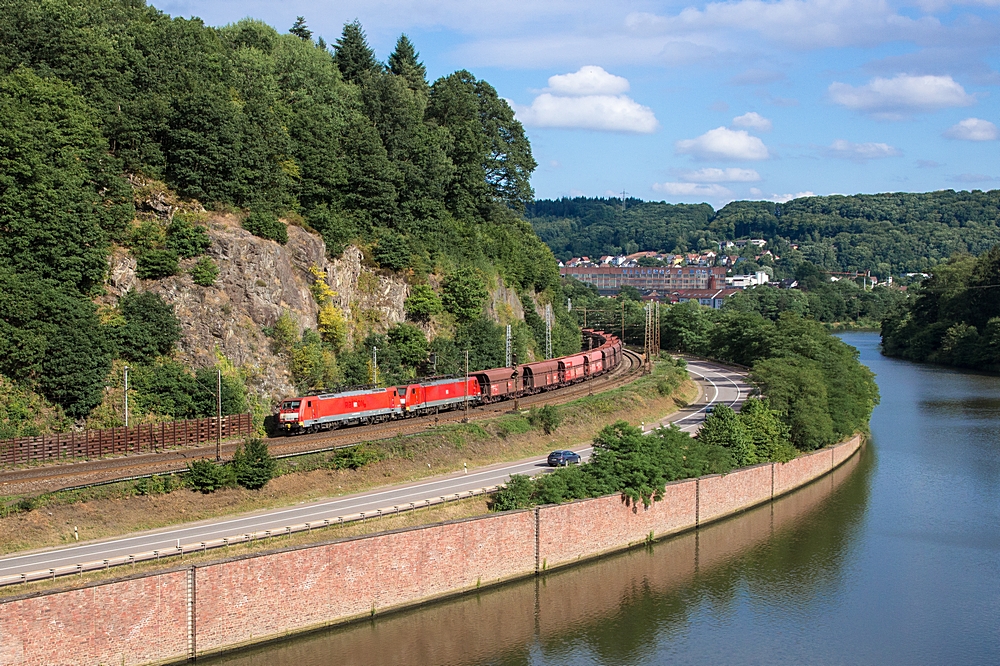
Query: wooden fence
[144,438]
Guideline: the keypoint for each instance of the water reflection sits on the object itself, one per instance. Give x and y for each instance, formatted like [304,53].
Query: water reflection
[618,610]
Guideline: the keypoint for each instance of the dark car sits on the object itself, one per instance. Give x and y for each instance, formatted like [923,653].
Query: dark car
[563,458]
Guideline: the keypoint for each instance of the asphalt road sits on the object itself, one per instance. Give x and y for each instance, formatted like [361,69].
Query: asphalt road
[718,385]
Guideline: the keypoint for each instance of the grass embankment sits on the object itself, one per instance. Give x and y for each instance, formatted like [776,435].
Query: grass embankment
[128,507]
[452,511]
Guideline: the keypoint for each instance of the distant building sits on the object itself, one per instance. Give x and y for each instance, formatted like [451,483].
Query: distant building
[747,281]
[663,279]
[713,298]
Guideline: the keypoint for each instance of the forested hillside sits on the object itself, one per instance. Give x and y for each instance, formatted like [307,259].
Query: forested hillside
[884,233]
[100,98]
[955,317]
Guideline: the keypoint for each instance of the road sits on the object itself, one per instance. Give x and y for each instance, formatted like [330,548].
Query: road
[718,385]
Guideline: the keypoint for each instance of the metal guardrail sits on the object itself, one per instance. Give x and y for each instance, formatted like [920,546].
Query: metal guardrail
[249,537]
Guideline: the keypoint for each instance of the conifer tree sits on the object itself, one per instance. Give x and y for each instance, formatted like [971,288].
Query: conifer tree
[300,30]
[404,62]
[355,59]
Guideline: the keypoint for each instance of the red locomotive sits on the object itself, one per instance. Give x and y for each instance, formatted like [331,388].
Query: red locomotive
[327,411]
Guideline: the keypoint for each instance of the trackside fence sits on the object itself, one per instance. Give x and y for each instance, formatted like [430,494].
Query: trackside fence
[236,539]
[143,438]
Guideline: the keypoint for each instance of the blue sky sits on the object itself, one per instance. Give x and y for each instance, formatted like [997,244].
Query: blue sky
[691,102]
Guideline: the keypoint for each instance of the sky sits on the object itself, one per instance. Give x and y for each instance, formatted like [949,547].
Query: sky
[708,102]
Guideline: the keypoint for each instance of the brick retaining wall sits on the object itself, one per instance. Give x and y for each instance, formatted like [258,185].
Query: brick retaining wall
[170,616]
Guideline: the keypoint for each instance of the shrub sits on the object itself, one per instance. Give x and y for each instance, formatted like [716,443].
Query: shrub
[355,457]
[332,326]
[186,239]
[546,417]
[156,264]
[422,303]
[516,494]
[266,225]
[207,477]
[204,272]
[253,464]
[156,485]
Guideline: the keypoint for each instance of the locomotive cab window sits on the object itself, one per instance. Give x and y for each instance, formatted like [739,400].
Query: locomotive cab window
[309,404]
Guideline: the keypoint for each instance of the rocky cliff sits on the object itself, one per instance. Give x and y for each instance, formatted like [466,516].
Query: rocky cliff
[258,281]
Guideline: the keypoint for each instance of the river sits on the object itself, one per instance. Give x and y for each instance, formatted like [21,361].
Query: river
[894,559]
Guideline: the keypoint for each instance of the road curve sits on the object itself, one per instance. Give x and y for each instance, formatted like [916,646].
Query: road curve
[717,384]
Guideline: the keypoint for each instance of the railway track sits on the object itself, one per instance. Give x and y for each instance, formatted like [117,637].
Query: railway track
[42,479]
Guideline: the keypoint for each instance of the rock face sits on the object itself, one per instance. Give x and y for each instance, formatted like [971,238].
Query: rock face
[504,305]
[371,300]
[258,281]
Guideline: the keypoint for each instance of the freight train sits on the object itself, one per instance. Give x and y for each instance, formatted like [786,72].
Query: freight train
[327,411]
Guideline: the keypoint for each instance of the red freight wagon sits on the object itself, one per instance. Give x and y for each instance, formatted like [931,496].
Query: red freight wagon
[440,395]
[498,384]
[332,410]
[594,362]
[572,368]
[540,376]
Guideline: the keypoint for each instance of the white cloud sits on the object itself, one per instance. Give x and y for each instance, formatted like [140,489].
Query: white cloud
[723,142]
[973,129]
[753,120]
[596,112]
[861,152]
[693,190]
[784,198]
[714,175]
[588,80]
[589,98]
[904,94]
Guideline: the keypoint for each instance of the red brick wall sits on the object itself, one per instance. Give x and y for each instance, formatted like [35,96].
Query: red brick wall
[569,532]
[722,494]
[136,621]
[145,620]
[842,452]
[801,470]
[249,599]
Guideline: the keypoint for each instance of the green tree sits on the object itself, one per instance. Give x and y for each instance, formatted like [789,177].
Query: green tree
[463,293]
[300,30]
[404,61]
[794,387]
[253,465]
[410,343]
[186,239]
[207,477]
[491,154]
[52,340]
[723,427]
[62,199]
[234,393]
[156,264]
[515,494]
[392,250]
[150,327]
[629,293]
[355,59]
[422,303]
